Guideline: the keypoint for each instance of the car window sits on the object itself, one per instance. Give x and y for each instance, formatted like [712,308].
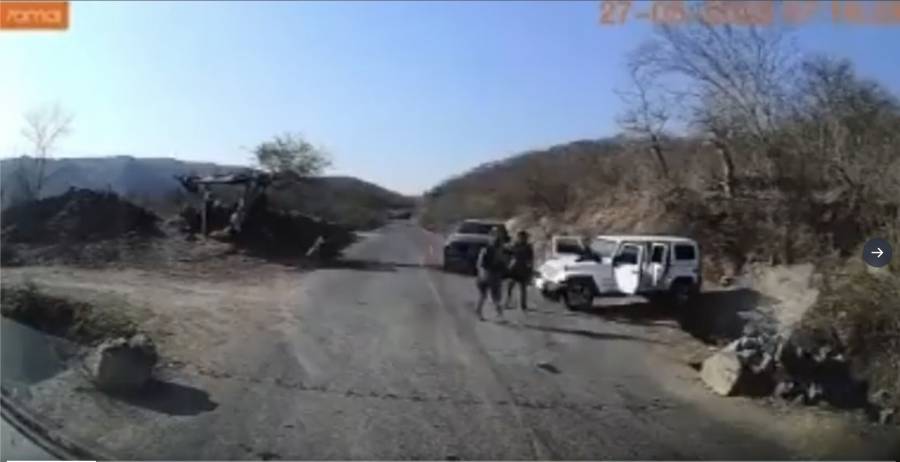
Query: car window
[569,246]
[476,228]
[658,254]
[685,252]
[603,247]
[628,255]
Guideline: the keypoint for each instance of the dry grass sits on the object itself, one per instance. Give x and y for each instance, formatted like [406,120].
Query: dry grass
[73,320]
[862,311]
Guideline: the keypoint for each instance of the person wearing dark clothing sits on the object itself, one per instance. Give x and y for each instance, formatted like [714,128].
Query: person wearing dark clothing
[490,266]
[521,269]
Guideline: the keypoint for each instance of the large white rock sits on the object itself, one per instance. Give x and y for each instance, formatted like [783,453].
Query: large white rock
[722,372]
[123,364]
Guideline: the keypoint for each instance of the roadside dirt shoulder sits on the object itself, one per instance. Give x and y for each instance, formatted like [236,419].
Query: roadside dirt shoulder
[194,316]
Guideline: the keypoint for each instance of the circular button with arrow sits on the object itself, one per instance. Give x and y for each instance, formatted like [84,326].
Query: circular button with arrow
[877,252]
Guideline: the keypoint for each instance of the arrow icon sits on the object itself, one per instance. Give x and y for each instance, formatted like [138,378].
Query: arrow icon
[877,252]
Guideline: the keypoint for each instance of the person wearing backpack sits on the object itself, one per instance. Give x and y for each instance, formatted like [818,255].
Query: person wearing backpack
[491,268]
[521,269]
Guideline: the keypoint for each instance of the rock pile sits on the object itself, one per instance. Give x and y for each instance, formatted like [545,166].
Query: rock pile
[801,369]
[744,367]
[79,215]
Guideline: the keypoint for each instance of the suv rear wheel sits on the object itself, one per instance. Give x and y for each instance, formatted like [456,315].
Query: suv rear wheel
[578,295]
[680,294]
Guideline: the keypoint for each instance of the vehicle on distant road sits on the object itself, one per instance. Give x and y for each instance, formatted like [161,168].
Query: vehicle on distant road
[662,268]
[400,214]
[462,246]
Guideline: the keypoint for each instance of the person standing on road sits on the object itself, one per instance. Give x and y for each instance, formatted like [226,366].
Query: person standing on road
[521,269]
[490,268]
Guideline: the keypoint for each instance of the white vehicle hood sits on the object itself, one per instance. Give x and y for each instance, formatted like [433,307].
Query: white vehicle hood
[558,268]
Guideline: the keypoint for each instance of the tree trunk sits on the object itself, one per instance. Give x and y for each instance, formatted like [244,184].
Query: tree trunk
[727,166]
[656,148]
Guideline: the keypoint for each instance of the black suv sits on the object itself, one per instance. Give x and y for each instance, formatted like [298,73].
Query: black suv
[462,247]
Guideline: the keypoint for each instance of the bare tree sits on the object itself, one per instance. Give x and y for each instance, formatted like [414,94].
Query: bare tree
[44,128]
[646,114]
[732,81]
[847,120]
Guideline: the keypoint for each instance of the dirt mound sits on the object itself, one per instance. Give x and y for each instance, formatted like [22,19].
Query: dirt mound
[80,215]
[289,233]
[271,232]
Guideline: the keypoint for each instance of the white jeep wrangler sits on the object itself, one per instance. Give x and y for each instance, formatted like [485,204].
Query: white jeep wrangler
[661,268]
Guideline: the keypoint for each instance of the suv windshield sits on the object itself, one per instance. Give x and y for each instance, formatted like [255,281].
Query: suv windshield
[603,247]
[471,227]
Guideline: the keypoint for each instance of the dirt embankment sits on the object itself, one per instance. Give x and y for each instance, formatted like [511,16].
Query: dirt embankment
[78,321]
[90,228]
[101,231]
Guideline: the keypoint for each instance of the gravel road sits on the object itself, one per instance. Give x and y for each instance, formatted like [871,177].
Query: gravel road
[380,356]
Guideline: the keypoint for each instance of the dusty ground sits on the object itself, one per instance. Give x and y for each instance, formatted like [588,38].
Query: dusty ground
[380,356]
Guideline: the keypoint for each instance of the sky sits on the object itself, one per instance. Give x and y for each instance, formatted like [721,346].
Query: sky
[401,94]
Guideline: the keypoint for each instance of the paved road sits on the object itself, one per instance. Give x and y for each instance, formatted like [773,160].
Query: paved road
[390,362]
[381,357]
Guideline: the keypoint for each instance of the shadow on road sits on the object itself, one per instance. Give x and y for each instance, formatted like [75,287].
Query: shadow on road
[170,398]
[579,332]
[712,317]
[371,265]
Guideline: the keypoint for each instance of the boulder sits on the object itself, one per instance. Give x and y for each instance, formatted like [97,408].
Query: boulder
[121,364]
[722,372]
[743,367]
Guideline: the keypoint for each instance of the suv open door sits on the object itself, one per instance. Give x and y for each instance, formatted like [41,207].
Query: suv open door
[627,267]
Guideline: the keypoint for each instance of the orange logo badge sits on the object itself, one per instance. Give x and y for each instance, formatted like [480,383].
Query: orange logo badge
[24,15]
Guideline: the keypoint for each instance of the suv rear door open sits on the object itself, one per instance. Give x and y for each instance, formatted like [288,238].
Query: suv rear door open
[627,267]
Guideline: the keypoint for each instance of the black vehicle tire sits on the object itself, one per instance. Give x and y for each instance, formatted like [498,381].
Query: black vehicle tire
[578,295]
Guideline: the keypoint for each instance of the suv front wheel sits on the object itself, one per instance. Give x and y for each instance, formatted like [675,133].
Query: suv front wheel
[578,295]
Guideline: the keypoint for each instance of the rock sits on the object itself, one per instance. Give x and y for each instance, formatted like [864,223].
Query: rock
[824,353]
[786,389]
[880,398]
[765,365]
[886,415]
[749,343]
[123,364]
[814,393]
[722,372]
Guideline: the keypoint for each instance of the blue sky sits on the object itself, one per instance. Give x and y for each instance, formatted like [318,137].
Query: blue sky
[403,94]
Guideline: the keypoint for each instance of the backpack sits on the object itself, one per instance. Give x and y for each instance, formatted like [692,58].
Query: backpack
[493,259]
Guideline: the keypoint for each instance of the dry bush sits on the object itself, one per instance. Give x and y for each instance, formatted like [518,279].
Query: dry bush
[73,320]
[862,312]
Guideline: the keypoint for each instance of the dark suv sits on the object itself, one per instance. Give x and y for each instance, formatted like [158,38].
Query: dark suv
[462,247]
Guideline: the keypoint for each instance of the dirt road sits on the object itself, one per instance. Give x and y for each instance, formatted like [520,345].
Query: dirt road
[381,357]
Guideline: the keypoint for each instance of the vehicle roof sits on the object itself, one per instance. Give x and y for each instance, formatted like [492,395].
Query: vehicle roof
[485,221]
[646,238]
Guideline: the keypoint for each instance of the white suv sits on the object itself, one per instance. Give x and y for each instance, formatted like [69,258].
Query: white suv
[659,267]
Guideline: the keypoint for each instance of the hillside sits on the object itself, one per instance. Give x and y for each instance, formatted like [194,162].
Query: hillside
[610,186]
[128,176]
[150,182]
